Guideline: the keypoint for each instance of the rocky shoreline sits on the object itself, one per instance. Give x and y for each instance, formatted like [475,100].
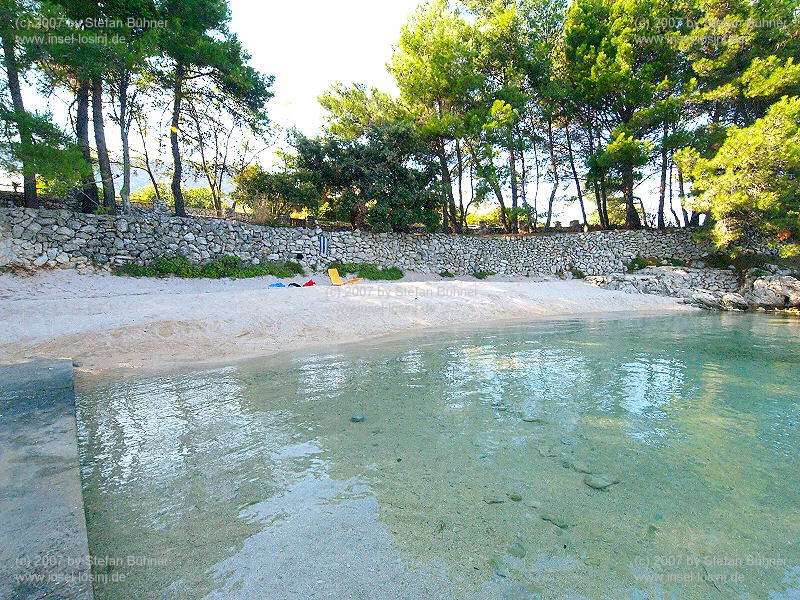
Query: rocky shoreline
[768,289]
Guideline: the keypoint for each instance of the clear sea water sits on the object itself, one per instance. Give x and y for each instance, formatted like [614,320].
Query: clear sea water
[474,473]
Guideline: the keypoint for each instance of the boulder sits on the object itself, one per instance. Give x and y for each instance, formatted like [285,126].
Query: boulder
[773,292]
[705,299]
[733,301]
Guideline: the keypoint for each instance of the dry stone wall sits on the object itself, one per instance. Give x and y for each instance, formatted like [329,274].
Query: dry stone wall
[58,238]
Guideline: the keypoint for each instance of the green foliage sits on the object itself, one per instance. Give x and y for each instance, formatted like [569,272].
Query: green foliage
[577,273]
[225,267]
[718,260]
[790,250]
[275,193]
[367,271]
[52,154]
[482,274]
[640,263]
[374,182]
[447,274]
[197,197]
[753,181]
[676,262]
[147,194]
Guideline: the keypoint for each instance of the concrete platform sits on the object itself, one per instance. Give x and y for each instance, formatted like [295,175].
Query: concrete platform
[43,544]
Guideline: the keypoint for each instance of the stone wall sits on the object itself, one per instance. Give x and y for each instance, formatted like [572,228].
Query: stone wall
[669,281]
[6,244]
[63,239]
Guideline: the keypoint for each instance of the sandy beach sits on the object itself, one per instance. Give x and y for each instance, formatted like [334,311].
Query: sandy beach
[104,322]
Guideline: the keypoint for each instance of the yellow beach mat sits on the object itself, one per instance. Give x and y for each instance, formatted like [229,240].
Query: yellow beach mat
[336,280]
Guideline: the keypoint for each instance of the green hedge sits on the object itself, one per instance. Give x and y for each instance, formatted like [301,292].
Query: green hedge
[367,271]
[227,266]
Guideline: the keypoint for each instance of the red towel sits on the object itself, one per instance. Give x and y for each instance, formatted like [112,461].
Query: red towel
[309,283]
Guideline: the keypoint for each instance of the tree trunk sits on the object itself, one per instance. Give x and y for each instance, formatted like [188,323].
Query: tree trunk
[681,197]
[535,223]
[645,222]
[177,193]
[124,133]
[493,183]
[604,201]
[575,175]
[109,196]
[512,163]
[662,192]
[462,220]
[89,193]
[25,135]
[147,166]
[525,205]
[631,214]
[671,205]
[599,187]
[554,166]
[447,185]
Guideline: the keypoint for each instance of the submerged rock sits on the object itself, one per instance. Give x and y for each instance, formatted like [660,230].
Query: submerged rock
[599,482]
[499,568]
[559,522]
[528,419]
[494,500]
[548,451]
[517,550]
[357,418]
[577,466]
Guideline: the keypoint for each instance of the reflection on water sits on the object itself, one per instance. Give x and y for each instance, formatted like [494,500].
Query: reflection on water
[631,458]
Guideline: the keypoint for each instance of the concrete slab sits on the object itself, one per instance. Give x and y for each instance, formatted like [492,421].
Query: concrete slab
[43,545]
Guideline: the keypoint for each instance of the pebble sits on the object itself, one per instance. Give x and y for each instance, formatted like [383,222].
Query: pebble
[599,482]
[357,418]
[533,420]
[557,521]
[499,568]
[494,500]
[547,451]
[577,466]
[517,550]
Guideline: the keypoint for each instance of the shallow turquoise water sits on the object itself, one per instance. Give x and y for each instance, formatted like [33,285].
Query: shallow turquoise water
[251,480]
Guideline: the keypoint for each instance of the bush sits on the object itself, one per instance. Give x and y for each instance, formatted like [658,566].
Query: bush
[446,274]
[577,273]
[226,266]
[482,274]
[718,261]
[367,271]
[676,262]
[640,263]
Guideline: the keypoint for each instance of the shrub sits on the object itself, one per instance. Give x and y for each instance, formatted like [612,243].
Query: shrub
[676,262]
[640,263]
[718,261]
[577,273]
[446,274]
[225,266]
[482,274]
[367,271]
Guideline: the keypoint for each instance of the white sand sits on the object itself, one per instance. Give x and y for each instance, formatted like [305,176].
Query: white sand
[104,322]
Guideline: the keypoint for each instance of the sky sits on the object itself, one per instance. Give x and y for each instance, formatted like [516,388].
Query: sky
[310,44]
